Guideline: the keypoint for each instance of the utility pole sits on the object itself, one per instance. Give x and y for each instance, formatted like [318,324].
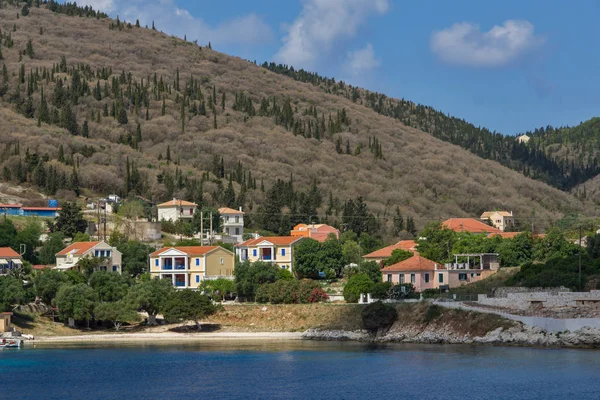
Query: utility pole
[105,222]
[580,257]
[201,228]
[98,226]
[211,230]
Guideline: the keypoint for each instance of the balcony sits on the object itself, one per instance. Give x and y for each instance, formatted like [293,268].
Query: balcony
[167,266]
[179,284]
[179,266]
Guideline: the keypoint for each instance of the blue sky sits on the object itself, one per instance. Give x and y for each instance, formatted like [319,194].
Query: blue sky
[509,66]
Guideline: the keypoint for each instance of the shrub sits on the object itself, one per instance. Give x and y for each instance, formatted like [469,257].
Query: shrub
[403,291]
[381,290]
[433,311]
[357,284]
[377,316]
[430,293]
[291,292]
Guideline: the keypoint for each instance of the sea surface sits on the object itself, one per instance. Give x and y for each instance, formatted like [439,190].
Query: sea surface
[297,370]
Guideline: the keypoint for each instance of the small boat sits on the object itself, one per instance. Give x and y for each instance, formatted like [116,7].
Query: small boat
[10,343]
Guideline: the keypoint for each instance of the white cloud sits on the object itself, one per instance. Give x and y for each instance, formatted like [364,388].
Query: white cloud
[464,44]
[247,29]
[362,60]
[321,25]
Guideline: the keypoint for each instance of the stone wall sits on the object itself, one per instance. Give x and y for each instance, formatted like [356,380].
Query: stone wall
[549,299]
[504,291]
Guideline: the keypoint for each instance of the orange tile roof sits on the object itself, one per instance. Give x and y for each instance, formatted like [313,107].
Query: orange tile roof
[227,210]
[177,203]
[10,206]
[276,240]
[468,225]
[78,248]
[8,252]
[505,235]
[415,263]
[42,208]
[189,250]
[408,245]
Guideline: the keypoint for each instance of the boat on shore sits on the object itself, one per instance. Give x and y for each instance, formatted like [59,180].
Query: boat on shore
[10,343]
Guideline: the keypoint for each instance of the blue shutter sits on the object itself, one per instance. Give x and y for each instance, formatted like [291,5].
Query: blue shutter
[197,263]
[197,278]
[283,252]
[254,252]
[156,262]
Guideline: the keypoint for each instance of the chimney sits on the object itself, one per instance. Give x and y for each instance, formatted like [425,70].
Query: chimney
[240,208]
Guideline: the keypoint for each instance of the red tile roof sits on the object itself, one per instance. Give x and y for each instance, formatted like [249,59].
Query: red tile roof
[276,240]
[41,208]
[8,252]
[409,245]
[189,250]
[468,225]
[177,203]
[78,248]
[39,266]
[415,263]
[10,206]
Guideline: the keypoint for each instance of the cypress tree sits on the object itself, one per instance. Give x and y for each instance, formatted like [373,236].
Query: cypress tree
[163,109]
[138,134]
[85,131]
[122,119]
[61,154]
[168,155]
[223,102]
[214,120]
[183,116]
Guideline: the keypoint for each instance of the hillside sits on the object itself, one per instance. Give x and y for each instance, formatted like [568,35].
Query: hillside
[64,77]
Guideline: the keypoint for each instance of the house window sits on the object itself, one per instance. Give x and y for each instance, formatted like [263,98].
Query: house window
[197,278]
[96,253]
[284,267]
[412,278]
[283,252]
[156,262]
[237,231]
[221,261]
[462,277]
[389,278]
[107,253]
[441,278]
[115,268]
[401,278]
[254,252]
[197,262]
[237,219]
[426,278]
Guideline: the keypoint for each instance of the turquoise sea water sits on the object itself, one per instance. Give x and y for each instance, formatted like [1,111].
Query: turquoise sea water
[298,370]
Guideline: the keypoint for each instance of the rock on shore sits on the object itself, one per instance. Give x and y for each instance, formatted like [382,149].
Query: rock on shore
[517,335]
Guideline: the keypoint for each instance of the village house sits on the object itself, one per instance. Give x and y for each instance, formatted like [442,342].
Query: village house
[70,256]
[175,210]
[319,232]
[18,209]
[502,220]
[469,225]
[381,255]
[9,260]
[275,249]
[426,274]
[188,266]
[523,139]
[232,222]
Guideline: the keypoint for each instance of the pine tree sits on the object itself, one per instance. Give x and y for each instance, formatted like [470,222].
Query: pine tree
[229,195]
[137,23]
[209,46]
[122,118]
[74,183]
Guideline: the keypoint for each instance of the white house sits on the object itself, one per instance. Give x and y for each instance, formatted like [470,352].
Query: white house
[68,257]
[232,222]
[500,219]
[175,210]
[523,139]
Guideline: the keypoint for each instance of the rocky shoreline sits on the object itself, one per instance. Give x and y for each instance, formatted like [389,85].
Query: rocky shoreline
[513,336]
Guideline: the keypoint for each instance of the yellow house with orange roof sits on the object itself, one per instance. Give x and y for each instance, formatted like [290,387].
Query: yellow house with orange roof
[278,250]
[188,266]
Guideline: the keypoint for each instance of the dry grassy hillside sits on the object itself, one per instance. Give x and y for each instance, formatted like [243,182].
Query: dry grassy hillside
[425,177]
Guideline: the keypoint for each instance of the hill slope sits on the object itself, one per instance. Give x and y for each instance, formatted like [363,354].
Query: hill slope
[240,122]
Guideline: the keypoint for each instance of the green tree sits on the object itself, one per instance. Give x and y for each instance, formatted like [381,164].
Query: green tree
[248,276]
[76,301]
[69,221]
[378,317]
[11,292]
[30,237]
[436,242]
[330,256]
[88,265]
[218,288]
[371,269]
[150,296]
[134,258]
[8,233]
[185,305]
[117,312]
[398,255]
[25,10]
[122,117]
[357,284]
[51,246]
[110,287]
[351,252]
[46,285]
[307,262]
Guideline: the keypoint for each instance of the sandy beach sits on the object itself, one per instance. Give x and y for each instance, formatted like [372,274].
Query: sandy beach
[166,336]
